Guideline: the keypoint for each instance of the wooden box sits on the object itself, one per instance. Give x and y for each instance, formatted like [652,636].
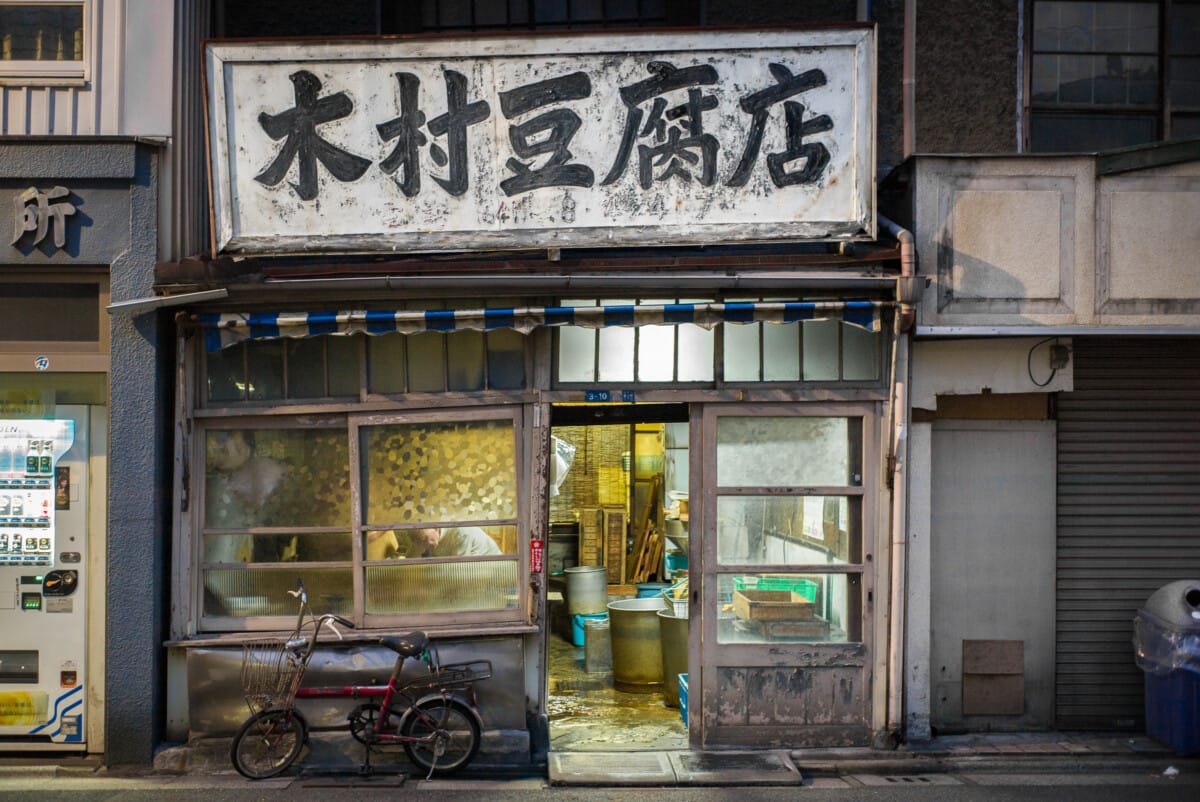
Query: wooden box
[771,605]
[591,536]
[614,544]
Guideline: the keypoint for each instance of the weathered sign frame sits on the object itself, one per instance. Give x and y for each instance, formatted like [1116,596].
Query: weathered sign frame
[808,174]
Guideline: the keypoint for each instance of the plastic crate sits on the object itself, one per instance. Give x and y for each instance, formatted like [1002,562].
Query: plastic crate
[805,587]
[683,693]
[1173,710]
[577,625]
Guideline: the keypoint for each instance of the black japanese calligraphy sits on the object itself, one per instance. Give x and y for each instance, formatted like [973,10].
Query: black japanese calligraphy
[407,130]
[671,148]
[758,104]
[549,132]
[453,125]
[303,145]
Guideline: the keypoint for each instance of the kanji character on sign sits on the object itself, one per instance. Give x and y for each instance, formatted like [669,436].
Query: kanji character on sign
[549,132]
[34,212]
[758,104]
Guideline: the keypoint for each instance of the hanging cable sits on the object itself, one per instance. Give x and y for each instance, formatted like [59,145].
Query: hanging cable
[1029,363]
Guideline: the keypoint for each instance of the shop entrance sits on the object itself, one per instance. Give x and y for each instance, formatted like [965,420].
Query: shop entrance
[617,559]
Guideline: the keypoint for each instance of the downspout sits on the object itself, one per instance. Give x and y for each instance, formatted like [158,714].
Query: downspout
[897,461]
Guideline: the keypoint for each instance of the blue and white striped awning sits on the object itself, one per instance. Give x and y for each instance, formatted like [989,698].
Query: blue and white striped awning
[224,330]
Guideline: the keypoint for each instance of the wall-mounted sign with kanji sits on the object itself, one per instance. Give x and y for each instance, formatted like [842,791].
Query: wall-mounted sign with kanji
[537,142]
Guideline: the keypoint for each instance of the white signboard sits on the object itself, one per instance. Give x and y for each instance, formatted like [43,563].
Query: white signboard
[541,142]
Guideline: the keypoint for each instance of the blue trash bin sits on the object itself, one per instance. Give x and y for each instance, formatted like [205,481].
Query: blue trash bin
[1166,639]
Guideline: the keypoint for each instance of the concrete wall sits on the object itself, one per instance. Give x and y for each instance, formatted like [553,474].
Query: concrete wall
[1046,241]
[967,76]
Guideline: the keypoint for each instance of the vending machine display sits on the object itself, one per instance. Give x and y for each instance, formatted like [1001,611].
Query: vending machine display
[43,615]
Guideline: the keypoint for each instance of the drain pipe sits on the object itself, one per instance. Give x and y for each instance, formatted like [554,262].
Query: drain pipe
[897,461]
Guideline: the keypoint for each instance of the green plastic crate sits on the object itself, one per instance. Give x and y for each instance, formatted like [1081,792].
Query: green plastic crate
[805,587]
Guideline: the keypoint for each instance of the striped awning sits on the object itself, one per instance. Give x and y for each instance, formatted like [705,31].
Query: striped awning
[224,330]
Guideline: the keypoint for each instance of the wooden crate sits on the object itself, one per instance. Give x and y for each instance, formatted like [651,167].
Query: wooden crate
[591,536]
[614,543]
[771,605]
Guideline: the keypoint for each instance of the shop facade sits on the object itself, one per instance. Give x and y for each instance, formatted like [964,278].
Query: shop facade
[84,225]
[334,408]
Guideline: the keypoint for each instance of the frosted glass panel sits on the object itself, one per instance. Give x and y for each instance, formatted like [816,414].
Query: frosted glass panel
[441,587]
[781,352]
[386,363]
[788,451]
[795,530]
[576,354]
[264,361]
[821,350]
[439,472]
[616,354]
[860,353]
[276,477]
[741,352]
[506,359]
[342,359]
[695,354]
[464,352]
[426,365]
[264,591]
[656,353]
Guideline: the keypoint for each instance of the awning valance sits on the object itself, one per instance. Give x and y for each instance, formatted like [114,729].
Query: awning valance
[224,330]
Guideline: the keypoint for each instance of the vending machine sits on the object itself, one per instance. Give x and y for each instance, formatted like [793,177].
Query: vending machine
[43,559]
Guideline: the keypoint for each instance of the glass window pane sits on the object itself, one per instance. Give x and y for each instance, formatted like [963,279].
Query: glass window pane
[695,354]
[226,374]
[342,362]
[439,472]
[264,591]
[781,352]
[821,349]
[445,541]
[276,477]
[426,363]
[616,353]
[656,354]
[1184,29]
[306,367]
[385,363]
[741,352]
[788,451]
[576,354]
[772,608]
[795,530]
[1185,126]
[41,32]
[260,548]
[264,368]
[464,354]
[1089,132]
[860,353]
[1185,83]
[441,587]
[506,359]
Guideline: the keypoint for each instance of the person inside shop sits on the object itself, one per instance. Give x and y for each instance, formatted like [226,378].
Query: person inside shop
[454,541]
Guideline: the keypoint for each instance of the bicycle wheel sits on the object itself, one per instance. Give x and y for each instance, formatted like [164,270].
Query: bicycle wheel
[268,743]
[449,735]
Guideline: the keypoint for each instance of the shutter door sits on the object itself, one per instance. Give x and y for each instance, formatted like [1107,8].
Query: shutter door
[1128,514]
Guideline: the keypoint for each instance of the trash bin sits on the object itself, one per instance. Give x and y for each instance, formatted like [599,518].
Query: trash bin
[1166,640]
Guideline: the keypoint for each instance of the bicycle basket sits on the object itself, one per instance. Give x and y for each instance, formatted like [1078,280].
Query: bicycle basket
[271,674]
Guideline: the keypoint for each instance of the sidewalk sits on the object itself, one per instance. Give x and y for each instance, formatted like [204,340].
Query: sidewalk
[207,762]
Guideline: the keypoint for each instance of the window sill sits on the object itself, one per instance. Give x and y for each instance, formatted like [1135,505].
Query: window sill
[355,637]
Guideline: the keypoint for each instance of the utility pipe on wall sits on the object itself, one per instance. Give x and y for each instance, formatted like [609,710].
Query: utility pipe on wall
[906,288]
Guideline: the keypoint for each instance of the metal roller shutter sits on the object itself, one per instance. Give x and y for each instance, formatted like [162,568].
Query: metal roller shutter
[1128,514]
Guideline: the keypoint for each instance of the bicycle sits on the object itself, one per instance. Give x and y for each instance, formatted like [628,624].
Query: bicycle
[434,716]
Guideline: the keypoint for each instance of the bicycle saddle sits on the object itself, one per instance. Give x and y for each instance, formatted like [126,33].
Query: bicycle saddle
[409,645]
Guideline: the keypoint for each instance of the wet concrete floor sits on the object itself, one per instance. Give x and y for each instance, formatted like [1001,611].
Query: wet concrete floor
[587,713]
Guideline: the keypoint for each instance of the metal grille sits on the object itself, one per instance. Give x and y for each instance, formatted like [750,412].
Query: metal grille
[1128,514]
